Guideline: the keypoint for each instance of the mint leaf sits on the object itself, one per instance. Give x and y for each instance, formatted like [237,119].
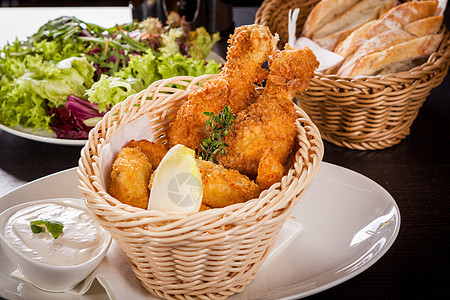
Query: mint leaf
[54,227]
[36,228]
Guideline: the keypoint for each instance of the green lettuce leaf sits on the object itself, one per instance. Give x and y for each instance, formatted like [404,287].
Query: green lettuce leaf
[55,82]
[169,43]
[201,42]
[141,72]
[110,90]
[179,65]
[29,85]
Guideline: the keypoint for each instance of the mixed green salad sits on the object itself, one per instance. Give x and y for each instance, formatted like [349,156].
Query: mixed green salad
[67,75]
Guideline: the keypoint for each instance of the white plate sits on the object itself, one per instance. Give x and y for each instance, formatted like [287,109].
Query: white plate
[40,136]
[349,222]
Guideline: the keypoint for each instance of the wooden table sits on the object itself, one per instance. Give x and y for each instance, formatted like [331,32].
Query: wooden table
[415,172]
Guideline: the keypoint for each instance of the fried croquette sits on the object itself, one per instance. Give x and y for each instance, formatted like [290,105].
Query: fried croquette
[223,187]
[270,121]
[249,47]
[130,177]
[204,207]
[154,151]
[270,170]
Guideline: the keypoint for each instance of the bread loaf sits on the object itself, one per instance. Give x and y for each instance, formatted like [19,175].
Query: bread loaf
[401,53]
[331,21]
[425,26]
[402,15]
[353,41]
[398,39]
[324,12]
[375,44]
[360,13]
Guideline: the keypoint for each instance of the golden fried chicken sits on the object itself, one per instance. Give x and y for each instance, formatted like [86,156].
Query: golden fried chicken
[222,187]
[130,177]
[154,151]
[270,121]
[270,170]
[249,47]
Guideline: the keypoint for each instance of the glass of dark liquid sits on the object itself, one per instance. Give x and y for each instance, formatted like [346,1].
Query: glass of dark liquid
[187,8]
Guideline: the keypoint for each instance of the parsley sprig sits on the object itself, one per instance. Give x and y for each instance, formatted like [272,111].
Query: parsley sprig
[220,126]
[54,227]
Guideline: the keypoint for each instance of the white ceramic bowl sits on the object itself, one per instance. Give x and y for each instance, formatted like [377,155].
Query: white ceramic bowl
[45,276]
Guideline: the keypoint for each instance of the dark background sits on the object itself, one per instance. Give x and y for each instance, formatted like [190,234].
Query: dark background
[107,3]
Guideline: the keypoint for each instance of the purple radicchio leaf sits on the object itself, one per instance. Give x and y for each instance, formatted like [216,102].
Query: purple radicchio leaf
[67,121]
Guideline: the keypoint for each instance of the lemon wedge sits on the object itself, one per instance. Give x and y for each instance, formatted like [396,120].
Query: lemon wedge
[177,183]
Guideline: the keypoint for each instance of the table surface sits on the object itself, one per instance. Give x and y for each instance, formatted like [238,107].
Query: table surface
[415,172]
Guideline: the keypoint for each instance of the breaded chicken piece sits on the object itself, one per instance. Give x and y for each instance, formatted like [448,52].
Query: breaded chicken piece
[270,170]
[249,47]
[154,151]
[269,122]
[204,207]
[222,187]
[130,176]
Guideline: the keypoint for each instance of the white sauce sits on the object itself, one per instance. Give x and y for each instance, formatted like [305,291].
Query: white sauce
[82,238]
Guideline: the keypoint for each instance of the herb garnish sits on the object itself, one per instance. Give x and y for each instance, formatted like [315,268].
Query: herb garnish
[54,227]
[220,126]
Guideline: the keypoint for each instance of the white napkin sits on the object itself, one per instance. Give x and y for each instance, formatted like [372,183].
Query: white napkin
[442,4]
[326,58]
[137,129]
[116,276]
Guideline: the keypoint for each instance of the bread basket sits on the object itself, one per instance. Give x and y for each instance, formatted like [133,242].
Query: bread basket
[364,113]
[207,255]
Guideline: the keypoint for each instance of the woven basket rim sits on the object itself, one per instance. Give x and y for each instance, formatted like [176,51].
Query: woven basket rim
[275,192]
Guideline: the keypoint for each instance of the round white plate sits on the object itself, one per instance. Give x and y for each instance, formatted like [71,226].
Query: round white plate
[40,136]
[349,222]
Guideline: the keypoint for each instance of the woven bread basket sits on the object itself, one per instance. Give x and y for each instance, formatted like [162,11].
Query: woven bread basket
[206,255]
[364,113]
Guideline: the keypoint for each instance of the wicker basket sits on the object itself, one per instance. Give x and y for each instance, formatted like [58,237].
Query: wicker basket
[210,254]
[364,113]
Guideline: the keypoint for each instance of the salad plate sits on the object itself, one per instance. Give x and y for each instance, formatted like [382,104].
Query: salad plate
[72,71]
[44,136]
[348,223]
[40,136]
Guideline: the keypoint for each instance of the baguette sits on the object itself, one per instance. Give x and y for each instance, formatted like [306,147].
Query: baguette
[373,64]
[349,45]
[329,42]
[353,41]
[375,44]
[324,12]
[425,26]
[360,13]
[402,15]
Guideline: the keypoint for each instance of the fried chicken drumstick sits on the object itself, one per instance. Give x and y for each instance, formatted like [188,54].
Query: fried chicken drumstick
[270,121]
[260,138]
[249,48]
